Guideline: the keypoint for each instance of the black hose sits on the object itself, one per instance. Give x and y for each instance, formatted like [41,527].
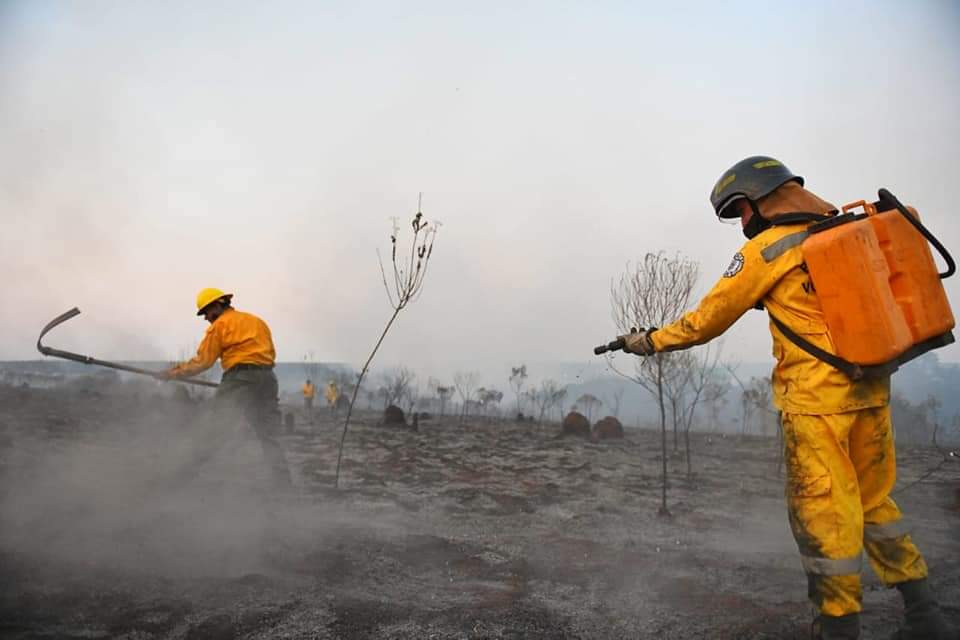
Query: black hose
[951,265]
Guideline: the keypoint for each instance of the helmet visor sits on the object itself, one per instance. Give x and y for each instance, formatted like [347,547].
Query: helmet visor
[727,211]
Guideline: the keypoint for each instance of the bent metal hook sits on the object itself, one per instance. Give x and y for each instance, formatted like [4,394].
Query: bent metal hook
[76,357]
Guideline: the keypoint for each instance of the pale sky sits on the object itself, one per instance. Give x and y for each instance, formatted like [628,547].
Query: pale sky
[148,150]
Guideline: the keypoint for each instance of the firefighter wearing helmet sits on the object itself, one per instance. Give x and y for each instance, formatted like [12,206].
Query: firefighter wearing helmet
[243,344]
[838,437]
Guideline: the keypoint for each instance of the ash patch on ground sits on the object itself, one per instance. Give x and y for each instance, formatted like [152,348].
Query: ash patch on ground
[111,528]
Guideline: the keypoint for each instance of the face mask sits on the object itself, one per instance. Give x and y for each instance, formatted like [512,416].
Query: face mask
[756,224]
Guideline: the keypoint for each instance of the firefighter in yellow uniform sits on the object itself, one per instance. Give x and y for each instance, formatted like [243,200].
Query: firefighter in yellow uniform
[243,344]
[838,437]
[309,391]
[332,393]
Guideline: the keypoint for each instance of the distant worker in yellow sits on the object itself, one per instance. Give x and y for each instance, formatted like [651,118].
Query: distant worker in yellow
[332,393]
[838,436]
[309,391]
[243,344]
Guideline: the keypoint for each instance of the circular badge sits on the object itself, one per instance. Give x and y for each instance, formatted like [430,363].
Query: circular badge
[735,266]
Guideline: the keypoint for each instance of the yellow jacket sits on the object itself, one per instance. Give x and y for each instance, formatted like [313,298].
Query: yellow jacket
[235,338]
[802,384]
[309,390]
[332,393]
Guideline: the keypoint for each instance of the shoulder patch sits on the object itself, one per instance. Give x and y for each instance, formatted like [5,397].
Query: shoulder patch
[735,266]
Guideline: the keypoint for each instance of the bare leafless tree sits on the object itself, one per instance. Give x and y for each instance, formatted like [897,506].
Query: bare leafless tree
[409,272]
[439,393]
[614,402]
[755,398]
[654,293]
[747,407]
[518,377]
[489,400]
[556,400]
[465,384]
[589,403]
[931,406]
[410,397]
[535,399]
[702,383]
[715,397]
[675,387]
[545,397]
[443,396]
[760,393]
[397,383]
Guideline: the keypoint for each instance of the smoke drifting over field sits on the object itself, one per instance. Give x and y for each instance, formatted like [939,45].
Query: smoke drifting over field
[151,485]
[150,151]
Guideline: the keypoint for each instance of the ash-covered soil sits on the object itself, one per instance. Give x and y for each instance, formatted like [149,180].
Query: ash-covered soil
[112,527]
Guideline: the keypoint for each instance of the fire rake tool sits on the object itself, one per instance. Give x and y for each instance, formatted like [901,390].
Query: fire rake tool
[76,357]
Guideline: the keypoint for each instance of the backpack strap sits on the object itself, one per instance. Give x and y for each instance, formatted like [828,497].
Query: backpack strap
[796,217]
[786,243]
[853,371]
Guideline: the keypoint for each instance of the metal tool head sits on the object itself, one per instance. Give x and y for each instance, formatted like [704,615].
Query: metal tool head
[60,319]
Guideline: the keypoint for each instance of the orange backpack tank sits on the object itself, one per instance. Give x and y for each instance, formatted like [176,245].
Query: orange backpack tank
[882,298]
[914,279]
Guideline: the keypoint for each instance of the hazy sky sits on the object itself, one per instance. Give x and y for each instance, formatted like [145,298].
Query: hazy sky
[151,149]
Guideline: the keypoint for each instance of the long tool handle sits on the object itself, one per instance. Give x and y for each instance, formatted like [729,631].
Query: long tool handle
[76,357]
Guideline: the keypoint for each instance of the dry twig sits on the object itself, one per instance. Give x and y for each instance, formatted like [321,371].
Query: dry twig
[407,285]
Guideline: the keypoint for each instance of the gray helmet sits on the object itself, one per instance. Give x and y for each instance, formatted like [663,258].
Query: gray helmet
[751,178]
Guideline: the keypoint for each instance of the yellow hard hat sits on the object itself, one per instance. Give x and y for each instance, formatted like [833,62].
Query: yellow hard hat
[208,296]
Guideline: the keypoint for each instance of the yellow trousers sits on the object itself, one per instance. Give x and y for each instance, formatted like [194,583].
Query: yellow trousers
[840,470]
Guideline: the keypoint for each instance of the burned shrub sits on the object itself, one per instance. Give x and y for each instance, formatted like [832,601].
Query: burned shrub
[393,417]
[608,428]
[576,424]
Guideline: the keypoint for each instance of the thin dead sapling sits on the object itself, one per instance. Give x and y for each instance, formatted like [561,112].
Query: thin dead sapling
[409,272]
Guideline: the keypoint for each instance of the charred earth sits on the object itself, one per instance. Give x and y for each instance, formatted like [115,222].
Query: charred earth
[112,527]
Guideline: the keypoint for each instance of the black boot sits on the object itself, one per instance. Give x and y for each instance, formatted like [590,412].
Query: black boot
[837,627]
[922,619]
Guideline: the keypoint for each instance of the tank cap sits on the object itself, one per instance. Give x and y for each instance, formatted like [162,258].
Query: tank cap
[869,208]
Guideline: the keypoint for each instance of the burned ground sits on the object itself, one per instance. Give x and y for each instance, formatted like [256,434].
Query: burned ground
[458,531]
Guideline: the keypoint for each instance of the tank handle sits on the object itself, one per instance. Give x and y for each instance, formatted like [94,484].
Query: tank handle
[951,265]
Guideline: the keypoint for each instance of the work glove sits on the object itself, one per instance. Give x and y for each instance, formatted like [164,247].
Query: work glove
[166,374]
[639,342]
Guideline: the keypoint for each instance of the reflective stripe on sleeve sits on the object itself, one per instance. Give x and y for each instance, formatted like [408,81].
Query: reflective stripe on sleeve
[832,566]
[886,531]
[783,245]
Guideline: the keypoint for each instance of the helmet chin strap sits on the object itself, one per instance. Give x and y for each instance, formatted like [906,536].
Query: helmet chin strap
[756,224]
